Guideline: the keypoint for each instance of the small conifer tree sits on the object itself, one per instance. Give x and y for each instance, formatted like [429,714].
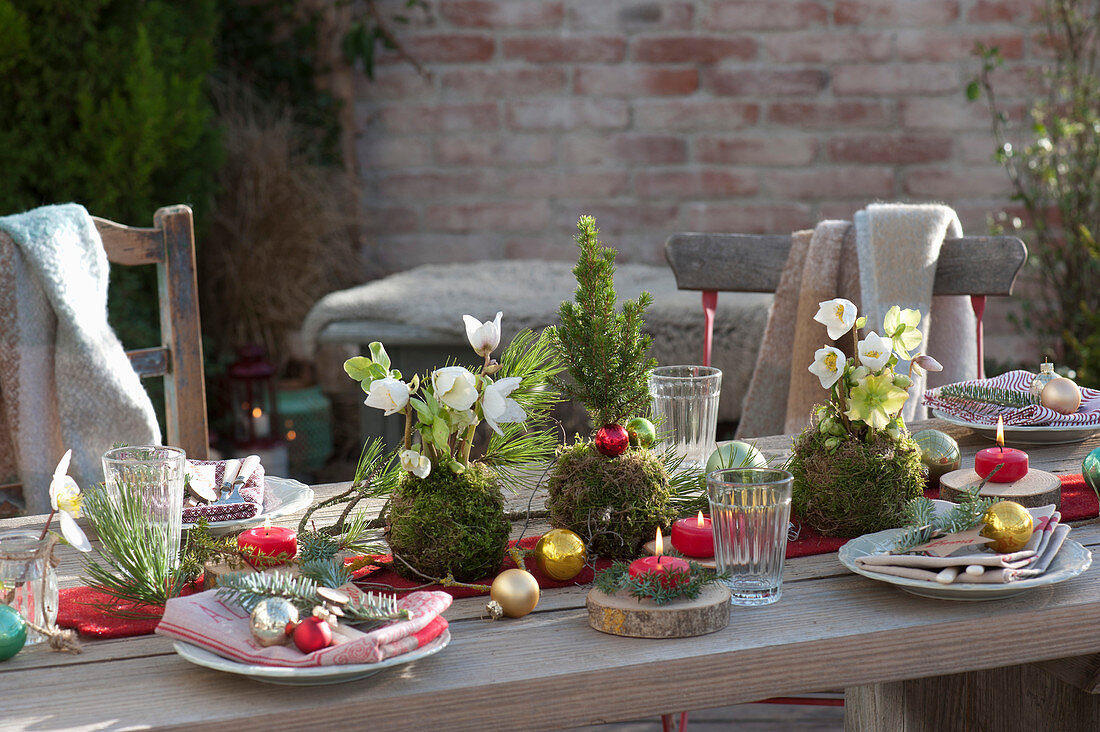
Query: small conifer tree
[604,350]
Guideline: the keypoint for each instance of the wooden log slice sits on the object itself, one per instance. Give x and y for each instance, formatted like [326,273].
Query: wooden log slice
[1037,488]
[621,614]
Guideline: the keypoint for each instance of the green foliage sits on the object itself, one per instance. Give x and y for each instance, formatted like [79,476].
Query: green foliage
[857,486]
[248,589]
[922,525]
[662,589]
[987,395]
[1055,176]
[603,349]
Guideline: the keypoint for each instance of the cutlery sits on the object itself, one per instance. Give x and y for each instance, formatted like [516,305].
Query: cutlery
[247,466]
[232,469]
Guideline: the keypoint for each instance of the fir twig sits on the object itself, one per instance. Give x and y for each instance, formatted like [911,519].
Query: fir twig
[662,589]
[922,524]
[986,395]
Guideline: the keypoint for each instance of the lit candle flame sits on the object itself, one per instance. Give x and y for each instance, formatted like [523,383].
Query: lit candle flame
[1001,433]
[257,412]
[659,545]
[267,524]
[699,519]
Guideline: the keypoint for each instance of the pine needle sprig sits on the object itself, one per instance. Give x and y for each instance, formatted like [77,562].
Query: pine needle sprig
[922,524]
[375,476]
[326,573]
[986,395]
[249,589]
[662,589]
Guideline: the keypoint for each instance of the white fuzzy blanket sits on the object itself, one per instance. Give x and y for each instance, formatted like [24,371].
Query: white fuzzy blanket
[530,292]
[65,381]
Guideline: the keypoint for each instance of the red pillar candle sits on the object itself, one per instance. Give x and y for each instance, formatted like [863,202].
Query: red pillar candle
[657,564]
[694,537]
[1013,461]
[268,542]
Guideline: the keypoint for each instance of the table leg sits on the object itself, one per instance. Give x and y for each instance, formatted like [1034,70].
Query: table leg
[1024,698]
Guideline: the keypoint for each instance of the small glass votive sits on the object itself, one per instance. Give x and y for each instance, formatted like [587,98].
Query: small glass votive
[154,474]
[750,509]
[28,582]
[685,410]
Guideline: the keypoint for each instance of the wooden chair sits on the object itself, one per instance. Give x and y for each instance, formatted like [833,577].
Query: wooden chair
[977,266]
[170,245]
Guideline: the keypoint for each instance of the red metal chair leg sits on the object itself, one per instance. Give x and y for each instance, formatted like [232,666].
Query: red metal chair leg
[710,304]
[978,303]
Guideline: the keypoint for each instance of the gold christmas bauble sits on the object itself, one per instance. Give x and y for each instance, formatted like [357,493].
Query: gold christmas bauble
[560,554]
[1009,525]
[1061,395]
[270,620]
[517,592]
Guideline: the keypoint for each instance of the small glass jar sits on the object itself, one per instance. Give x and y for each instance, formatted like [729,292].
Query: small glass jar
[28,582]
[1046,373]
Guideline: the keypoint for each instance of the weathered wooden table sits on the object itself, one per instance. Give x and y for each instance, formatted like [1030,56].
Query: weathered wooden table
[906,662]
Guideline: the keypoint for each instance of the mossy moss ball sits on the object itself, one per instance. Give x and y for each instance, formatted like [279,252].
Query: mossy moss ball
[448,524]
[615,504]
[859,487]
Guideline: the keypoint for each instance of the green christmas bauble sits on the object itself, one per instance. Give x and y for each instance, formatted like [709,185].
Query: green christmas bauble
[1091,469]
[939,452]
[642,432]
[736,454]
[13,632]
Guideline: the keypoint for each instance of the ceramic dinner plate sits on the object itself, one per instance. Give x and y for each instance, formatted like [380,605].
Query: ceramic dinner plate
[310,676]
[282,496]
[1071,560]
[1017,435]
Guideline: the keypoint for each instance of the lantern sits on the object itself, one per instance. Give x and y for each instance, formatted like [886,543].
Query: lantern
[252,389]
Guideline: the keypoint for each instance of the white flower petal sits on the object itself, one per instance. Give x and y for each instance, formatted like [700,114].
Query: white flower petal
[415,463]
[455,386]
[828,366]
[73,533]
[874,351]
[389,394]
[837,315]
[484,337]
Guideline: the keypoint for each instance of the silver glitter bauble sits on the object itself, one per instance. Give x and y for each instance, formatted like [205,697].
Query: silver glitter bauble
[270,619]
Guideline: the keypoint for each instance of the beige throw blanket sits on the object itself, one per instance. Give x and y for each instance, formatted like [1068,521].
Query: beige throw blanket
[65,381]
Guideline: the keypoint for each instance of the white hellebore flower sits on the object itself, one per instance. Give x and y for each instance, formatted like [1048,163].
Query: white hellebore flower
[828,365]
[837,315]
[497,407]
[417,464]
[388,394]
[484,337]
[455,386]
[65,497]
[874,351]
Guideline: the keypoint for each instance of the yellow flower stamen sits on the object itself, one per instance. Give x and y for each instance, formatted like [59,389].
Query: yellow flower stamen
[830,362]
[840,312]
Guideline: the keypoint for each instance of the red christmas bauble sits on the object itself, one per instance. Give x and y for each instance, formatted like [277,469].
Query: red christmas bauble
[612,440]
[312,634]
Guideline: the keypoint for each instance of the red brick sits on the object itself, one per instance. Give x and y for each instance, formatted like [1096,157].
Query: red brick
[755,150]
[767,82]
[742,15]
[494,150]
[945,183]
[694,184]
[400,252]
[921,45]
[830,114]
[577,49]
[693,49]
[832,182]
[490,83]
[827,47]
[950,114]
[612,217]
[619,81]
[1017,81]
[894,79]
[568,114]
[389,151]
[992,11]
[437,184]
[975,148]
[394,82]
[443,48]
[894,13]
[545,248]
[749,218]
[632,15]
[889,149]
[502,13]
[390,219]
[628,149]
[484,217]
[694,114]
[573,184]
[439,117]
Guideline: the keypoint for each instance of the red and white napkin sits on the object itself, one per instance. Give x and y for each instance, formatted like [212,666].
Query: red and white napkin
[1033,415]
[221,626]
[210,473]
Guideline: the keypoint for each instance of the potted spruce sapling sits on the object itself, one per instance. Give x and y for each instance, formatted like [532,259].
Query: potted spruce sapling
[445,514]
[611,489]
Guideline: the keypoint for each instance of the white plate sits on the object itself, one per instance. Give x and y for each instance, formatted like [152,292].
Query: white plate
[1017,435]
[310,676]
[282,496]
[1071,560]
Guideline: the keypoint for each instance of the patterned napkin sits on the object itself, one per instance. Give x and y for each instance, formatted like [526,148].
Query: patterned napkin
[222,627]
[209,473]
[1032,415]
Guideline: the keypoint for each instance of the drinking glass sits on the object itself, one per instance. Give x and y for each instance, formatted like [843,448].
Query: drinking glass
[685,409]
[749,511]
[28,582]
[154,474]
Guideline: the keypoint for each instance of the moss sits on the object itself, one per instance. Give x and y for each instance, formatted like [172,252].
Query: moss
[614,503]
[858,488]
[448,524]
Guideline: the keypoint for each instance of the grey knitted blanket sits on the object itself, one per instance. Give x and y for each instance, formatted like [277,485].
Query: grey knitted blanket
[65,381]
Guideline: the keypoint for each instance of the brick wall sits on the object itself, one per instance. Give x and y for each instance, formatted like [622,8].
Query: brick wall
[708,115]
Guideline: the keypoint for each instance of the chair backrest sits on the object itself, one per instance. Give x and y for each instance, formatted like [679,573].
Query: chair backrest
[971,265]
[170,245]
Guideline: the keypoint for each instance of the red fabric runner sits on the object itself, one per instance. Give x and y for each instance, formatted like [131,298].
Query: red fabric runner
[80,607]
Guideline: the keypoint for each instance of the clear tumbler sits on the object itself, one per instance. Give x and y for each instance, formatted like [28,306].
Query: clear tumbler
[155,475]
[685,409]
